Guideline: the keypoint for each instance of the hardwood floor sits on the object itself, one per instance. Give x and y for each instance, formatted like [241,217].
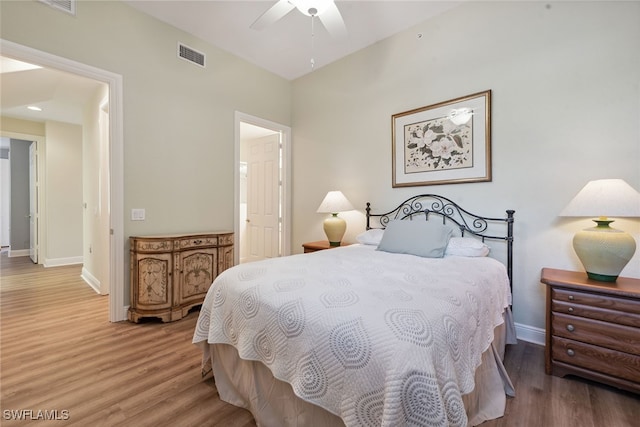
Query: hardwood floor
[60,353]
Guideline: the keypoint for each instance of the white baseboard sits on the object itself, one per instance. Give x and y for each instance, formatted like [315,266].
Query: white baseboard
[530,334]
[19,252]
[57,262]
[90,279]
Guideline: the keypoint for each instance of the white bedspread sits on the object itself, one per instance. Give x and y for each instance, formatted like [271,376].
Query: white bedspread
[373,337]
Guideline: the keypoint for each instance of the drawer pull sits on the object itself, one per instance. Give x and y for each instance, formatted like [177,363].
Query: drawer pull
[570,297]
[571,328]
[570,309]
[197,242]
[570,352]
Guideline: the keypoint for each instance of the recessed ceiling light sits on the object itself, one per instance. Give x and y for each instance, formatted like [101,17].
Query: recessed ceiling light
[34,108]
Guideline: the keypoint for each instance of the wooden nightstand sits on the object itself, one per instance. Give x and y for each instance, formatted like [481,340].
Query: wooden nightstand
[319,246]
[593,328]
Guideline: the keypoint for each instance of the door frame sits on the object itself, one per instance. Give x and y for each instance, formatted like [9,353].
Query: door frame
[117,309]
[285,131]
[34,202]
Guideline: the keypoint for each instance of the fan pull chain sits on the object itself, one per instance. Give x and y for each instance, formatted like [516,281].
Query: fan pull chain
[313,62]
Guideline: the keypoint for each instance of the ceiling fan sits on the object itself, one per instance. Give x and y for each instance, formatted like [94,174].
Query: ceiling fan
[325,10]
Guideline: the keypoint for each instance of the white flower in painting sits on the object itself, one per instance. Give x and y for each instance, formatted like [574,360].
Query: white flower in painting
[443,147]
[421,139]
[429,136]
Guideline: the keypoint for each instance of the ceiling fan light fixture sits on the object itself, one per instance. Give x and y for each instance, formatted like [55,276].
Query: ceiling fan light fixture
[311,7]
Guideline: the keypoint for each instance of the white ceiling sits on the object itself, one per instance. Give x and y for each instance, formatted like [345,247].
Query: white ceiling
[61,95]
[285,47]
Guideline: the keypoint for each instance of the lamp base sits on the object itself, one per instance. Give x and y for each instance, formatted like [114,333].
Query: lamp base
[334,228]
[603,250]
[601,277]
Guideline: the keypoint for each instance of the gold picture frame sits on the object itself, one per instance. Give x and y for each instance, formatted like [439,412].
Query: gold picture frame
[444,143]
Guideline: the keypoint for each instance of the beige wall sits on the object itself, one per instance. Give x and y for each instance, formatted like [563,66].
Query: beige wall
[63,181]
[178,117]
[95,157]
[565,83]
[27,127]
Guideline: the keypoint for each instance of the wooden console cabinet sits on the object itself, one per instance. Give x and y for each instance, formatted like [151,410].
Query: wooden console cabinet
[171,274]
[593,328]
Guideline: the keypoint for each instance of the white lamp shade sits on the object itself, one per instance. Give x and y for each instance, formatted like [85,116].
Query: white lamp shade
[605,197]
[334,202]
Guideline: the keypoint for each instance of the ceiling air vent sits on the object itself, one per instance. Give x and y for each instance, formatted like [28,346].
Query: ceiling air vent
[190,55]
[68,6]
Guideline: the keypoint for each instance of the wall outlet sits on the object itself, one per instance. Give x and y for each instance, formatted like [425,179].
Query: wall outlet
[137,214]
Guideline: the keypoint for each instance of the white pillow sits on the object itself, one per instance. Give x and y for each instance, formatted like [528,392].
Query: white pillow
[466,246]
[370,237]
[421,238]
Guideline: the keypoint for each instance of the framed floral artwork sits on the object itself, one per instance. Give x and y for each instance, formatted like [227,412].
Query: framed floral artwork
[444,143]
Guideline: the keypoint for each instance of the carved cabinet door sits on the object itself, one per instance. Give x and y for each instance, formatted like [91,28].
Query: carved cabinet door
[198,269]
[225,258]
[154,275]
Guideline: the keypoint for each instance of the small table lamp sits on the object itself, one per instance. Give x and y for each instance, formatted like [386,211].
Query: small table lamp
[334,226]
[603,250]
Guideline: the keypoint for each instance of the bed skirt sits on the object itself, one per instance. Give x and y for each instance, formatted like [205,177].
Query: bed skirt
[251,385]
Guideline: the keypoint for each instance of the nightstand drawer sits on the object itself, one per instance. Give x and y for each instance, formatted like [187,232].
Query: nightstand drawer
[596,300]
[613,316]
[610,362]
[617,337]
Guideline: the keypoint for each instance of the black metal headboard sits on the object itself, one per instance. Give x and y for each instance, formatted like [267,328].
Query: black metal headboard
[449,211]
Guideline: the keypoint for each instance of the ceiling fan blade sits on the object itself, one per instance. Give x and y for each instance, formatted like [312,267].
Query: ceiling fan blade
[273,14]
[333,22]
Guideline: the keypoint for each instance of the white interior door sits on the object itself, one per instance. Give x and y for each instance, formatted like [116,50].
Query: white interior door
[263,198]
[33,202]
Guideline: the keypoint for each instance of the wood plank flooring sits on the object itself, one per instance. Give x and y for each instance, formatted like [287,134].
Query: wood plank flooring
[59,352]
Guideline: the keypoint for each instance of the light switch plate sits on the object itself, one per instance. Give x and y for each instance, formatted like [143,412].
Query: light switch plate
[137,214]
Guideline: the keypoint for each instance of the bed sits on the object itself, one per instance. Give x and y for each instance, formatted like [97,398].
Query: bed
[407,327]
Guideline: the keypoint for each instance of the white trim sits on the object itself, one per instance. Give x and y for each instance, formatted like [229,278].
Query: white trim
[286,180]
[530,334]
[57,262]
[117,310]
[18,253]
[90,280]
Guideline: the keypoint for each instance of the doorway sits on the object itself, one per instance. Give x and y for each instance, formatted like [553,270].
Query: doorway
[21,195]
[115,245]
[262,189]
